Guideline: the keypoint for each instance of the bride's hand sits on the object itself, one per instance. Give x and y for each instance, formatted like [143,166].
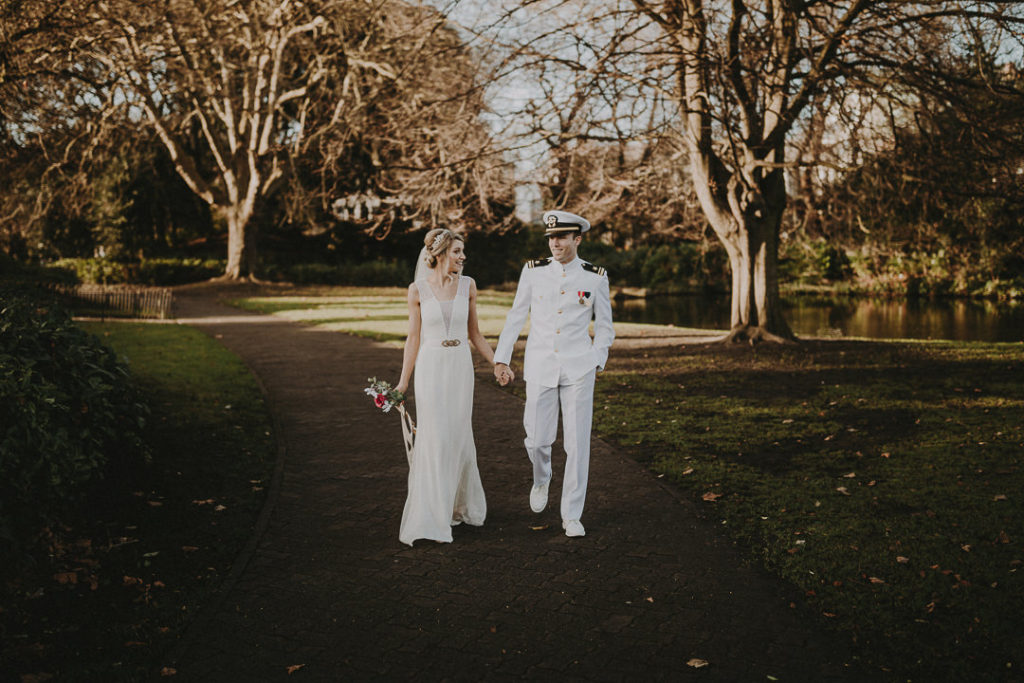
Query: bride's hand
[402,387]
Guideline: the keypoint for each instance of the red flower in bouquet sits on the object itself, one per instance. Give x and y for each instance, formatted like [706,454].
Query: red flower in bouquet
[386,397]
[383,395]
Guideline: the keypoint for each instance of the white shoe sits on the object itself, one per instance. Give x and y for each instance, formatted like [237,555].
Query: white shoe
[573,528]
[539,497]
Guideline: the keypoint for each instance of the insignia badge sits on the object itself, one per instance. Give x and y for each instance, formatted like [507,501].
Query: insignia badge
[552,221]
[583,296]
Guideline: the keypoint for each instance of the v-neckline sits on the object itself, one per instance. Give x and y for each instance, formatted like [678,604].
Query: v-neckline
[439,299]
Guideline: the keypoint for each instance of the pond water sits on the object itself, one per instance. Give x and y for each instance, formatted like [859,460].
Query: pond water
[955,319]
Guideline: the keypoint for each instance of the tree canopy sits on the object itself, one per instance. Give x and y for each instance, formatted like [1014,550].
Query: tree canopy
[377,101]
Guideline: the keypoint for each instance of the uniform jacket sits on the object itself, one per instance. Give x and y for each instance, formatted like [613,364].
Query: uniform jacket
[560,302]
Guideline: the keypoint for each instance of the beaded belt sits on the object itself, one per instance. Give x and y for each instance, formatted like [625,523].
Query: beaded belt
[450,342]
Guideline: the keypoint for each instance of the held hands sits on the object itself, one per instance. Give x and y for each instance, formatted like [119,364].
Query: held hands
[503,373]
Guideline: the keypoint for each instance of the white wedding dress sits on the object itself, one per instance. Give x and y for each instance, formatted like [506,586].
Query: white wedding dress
[444,482]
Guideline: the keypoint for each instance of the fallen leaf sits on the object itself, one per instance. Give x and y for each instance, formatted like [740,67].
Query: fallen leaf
[154,503]
[66,578]
[540,527]
[189,548]
[828,614]
[886,454]
[220,508]
[875,579]
[851,475]
[649,599]
[1003,538]
[1000,496]
[711,496]
[295,667]
[902,560]
[966,547]
[688,470]
[697,663]
[842,490]
[168,671]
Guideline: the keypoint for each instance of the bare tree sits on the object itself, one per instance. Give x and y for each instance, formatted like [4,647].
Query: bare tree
[238,92]
[416,149]
[46,132]
[745,81]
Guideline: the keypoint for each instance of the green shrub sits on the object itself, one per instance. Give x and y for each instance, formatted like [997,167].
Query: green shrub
[166,272]
[16,271]
[682,267]
[812,261]
[69,415]
[374,273]
[158,271]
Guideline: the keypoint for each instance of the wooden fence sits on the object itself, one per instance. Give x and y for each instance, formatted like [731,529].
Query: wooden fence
[119,301]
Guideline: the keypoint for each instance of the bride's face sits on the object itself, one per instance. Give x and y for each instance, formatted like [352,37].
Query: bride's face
[456,256]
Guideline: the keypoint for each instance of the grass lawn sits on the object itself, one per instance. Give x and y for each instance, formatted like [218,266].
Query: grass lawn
[123,579]
[883,478]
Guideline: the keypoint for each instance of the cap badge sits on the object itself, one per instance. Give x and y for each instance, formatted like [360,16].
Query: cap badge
[552,221]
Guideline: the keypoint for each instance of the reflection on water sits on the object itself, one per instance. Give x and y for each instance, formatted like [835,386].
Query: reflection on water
[955,319]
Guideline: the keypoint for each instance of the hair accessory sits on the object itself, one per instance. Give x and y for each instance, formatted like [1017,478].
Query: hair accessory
[437,240]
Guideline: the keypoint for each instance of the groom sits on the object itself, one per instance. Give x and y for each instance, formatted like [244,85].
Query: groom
[560,295]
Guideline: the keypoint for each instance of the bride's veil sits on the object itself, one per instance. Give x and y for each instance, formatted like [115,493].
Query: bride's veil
[422,268]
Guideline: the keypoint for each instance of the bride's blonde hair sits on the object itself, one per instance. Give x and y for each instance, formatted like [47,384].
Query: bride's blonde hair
[437,243]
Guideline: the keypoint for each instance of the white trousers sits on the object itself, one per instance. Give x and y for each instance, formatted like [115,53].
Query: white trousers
[540,419]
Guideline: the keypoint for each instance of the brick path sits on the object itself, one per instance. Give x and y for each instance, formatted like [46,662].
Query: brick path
[325,583]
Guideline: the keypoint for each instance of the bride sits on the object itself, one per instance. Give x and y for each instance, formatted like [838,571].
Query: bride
[444,482]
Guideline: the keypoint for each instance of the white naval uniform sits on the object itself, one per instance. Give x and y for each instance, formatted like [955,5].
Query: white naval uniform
[560,364]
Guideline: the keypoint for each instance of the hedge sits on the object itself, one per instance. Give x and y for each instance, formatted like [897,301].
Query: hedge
[69,414]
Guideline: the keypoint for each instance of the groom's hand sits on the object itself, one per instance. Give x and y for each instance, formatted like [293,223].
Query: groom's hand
[503,373]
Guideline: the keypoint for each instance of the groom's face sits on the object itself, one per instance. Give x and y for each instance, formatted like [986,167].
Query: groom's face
[563,246]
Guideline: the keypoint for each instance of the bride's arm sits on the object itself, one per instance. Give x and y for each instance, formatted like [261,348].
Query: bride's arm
[475,336]
[412,341]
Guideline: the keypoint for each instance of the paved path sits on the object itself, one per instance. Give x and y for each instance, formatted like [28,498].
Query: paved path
[327,586]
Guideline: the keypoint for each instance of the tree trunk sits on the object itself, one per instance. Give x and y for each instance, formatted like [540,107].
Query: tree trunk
[241,253]
[747,224]
[756,307]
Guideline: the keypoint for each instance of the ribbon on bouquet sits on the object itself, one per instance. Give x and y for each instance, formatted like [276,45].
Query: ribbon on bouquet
[408,431]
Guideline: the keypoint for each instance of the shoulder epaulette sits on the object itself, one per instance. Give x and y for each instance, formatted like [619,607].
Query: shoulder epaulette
[594,269]
[538,262]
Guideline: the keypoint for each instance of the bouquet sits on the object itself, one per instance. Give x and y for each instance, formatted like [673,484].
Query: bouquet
[386,397]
